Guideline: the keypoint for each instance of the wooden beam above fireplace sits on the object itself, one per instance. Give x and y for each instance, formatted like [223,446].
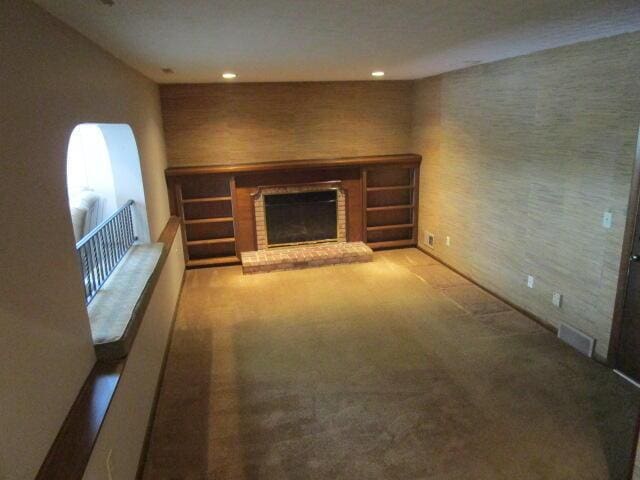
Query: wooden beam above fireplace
[216,205]
[373,160]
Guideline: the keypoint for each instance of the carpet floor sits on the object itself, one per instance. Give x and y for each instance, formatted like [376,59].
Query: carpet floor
[394,369]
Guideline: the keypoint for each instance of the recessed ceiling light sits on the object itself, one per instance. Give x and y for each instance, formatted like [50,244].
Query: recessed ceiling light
[229,75]
[377,73]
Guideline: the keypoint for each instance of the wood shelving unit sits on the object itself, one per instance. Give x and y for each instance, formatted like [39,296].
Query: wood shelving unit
[391,201]
[216,203]
[208,221]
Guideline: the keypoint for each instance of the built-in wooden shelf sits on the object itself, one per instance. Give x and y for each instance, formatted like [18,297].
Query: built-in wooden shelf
[389,207]
[390,188]
[209,262]
[392,244]
[206,209]
[206,199]
[211,241]
[209,220]
[216,202]
[390,227]
[390,198]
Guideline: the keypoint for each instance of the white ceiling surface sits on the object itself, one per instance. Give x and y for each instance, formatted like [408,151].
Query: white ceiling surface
[292,40]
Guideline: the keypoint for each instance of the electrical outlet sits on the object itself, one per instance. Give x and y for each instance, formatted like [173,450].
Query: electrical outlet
[607,219]
[448,241]
[530,281]
[110,464]
[557,299]
[429,239]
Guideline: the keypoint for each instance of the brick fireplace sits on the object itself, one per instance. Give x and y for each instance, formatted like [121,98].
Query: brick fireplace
[299,208]
[301,226]
[225,214]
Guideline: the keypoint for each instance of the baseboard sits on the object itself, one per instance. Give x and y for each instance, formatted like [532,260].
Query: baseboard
[543,323]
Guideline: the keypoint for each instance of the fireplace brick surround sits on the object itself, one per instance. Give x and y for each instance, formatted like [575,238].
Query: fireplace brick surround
[259,207]
[305,256]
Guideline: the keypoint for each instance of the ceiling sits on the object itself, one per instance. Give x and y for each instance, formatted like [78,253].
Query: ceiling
[313,40]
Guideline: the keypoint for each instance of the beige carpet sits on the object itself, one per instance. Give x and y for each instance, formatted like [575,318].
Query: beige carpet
[395,369]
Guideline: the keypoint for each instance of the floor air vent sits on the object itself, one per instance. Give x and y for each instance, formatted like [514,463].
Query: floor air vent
[578,340]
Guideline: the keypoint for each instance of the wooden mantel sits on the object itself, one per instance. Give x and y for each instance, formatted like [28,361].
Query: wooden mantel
[218,219]
[399,159]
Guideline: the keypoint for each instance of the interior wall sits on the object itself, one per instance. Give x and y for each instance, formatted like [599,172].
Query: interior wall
[521,159]
[53,79]
[124,430]
[261,122]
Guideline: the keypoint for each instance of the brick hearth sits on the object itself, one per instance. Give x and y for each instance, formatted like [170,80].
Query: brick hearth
[305,256]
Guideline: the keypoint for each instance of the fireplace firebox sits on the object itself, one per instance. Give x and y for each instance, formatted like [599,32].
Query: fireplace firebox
[301,217]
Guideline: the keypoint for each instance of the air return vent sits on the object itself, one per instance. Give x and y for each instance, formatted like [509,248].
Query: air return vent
[578,340]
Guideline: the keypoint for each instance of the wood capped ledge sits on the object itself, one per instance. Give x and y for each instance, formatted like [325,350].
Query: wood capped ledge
[398,159]
[69,455]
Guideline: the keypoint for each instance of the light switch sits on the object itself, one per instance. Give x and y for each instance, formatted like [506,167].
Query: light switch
[607,219]
[448,241]
[530,281]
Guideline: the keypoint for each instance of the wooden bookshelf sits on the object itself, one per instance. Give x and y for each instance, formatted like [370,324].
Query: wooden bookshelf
[391,206]
[216,202]
[208,222]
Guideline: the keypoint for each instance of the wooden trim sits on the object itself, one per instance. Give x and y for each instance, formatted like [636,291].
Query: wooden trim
[71,450]
[212,241]
[391,244]
[365,199]
[69,455]
[623,269]
[525,312]
[206,199]
[390,207]
[209,220]
[181,216]
[390,227]
[407,158]
[415,200]
[213,261]
[391,188]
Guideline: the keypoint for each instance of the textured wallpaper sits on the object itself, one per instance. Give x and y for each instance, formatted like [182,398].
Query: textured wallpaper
[261,122]
[521,159]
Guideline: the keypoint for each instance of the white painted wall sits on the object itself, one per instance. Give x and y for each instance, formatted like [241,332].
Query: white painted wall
[124,429]
[53,79]
[127,176]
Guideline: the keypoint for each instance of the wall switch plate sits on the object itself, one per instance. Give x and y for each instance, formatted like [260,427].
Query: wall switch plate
[607,219]
[530,281]
[429,239]
[557,299]
[448,241]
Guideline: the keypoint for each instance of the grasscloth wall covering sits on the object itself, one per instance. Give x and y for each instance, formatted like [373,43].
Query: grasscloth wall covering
[521,159]
[261,122]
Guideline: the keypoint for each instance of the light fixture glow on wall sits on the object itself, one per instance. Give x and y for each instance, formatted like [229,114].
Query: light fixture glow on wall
[229,75]
[377,73]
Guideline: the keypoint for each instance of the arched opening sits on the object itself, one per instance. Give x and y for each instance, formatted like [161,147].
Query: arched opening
[90,187]
[109,218]
[103,173]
